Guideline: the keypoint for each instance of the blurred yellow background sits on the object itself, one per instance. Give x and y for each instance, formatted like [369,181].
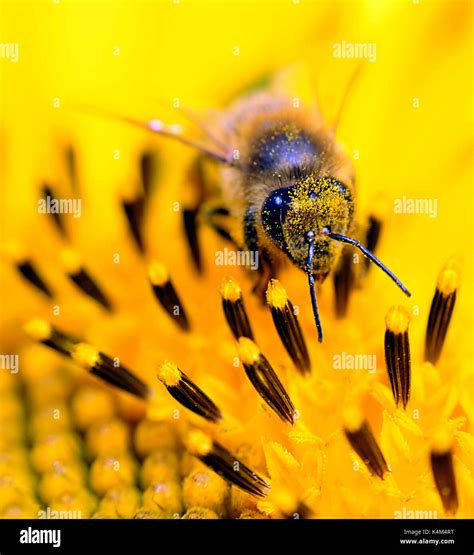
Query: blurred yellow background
[407,125]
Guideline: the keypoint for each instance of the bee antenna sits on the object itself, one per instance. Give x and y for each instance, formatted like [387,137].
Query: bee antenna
[309,237]
[369,255]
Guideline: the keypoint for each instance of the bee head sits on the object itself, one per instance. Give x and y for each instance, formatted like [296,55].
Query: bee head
[309,221]
[311,206]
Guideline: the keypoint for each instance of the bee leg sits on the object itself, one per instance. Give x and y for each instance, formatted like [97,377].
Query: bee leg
[266,269]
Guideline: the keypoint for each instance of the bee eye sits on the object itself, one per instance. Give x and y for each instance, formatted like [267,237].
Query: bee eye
[273,214]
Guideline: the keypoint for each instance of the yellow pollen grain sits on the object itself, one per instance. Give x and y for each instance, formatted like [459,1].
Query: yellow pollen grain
[276,294]
[38,329]
[397,319]
[85,354]
[70,260]
[230,290]
[248,351]
[158,273]
[353,419]
[169,374]
[448,279]
[198,443]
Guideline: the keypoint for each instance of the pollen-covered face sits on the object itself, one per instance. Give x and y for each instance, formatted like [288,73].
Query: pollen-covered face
[312,205]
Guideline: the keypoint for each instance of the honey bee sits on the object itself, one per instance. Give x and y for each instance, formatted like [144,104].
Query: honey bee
[285,179]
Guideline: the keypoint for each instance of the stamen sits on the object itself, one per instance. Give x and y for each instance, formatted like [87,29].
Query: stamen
[109,370]
[363,442]
[234,309]
[81,278]
[397,353]
[265,380]
[43,331]
[441,311]
[134,210]
[71,166]
[47,191]
[187,392]
[148,167]
[223,462]
[194,193]
[29,272]
[89,357]
[344,279]
[372,237]
[166,294]
[443,472]
[191,231]
[287,325]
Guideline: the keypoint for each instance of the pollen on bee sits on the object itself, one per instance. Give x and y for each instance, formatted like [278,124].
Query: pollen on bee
[397,353]
[166,294]
[234,309]
[186,392]
[441,311]
[362,440]
[222,461]
[265,380]
[443,470]
[287,325]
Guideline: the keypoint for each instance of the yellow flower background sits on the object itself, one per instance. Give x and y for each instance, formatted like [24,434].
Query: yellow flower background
[407,125]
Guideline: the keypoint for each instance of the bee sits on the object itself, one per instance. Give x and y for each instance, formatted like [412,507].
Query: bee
[285,179]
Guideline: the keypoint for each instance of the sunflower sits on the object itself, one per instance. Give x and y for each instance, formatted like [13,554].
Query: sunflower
[174,392]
